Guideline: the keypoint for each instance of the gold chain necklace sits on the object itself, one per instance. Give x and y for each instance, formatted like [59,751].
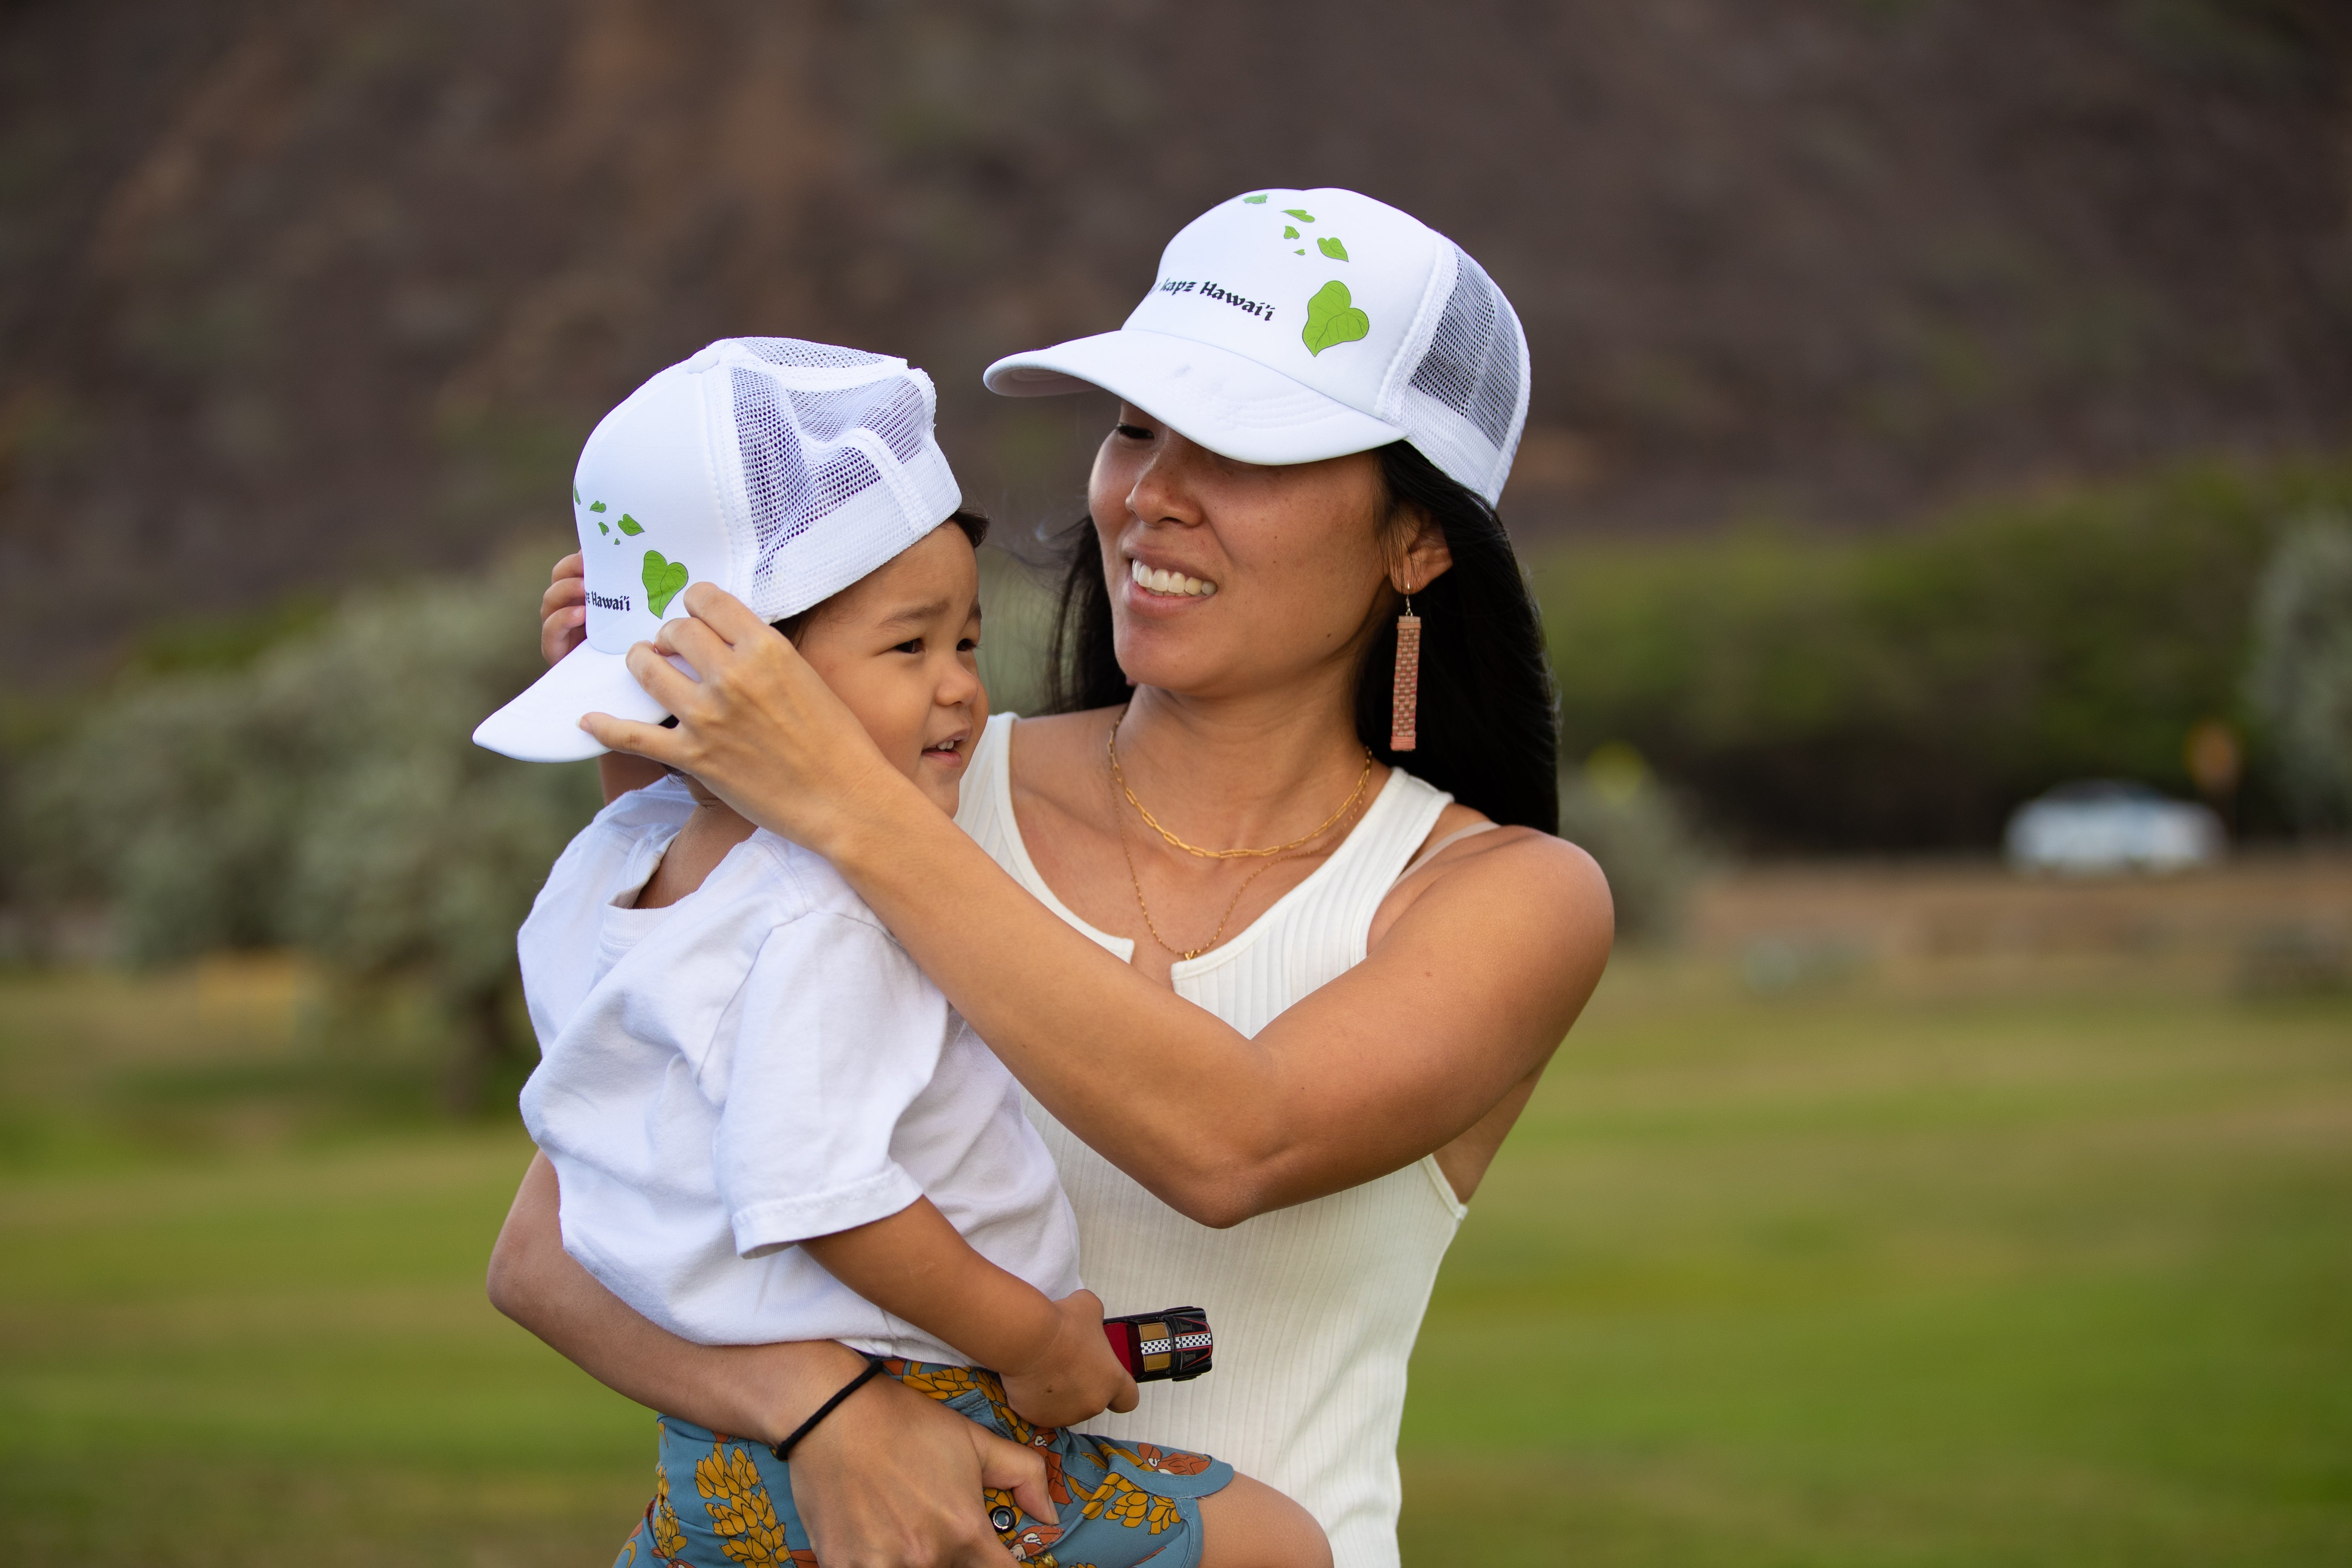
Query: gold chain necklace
[1152,822]
[1185,955]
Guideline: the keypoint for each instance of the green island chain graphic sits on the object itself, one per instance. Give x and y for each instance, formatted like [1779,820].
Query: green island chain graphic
[1332,317]
[665,580]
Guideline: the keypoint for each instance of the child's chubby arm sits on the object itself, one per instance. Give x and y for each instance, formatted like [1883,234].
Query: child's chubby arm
[1057,1366]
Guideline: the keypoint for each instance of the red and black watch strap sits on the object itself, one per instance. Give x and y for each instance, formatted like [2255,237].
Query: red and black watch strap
[1172,1346]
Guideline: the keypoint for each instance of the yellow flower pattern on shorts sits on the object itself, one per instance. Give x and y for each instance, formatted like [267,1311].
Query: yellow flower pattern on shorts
[669,1541]
[1122,1501]
[741,1513]
[1114,1503]
[941,1382]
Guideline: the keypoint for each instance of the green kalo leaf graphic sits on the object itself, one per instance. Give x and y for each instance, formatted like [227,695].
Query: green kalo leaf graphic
[595,506]
[600,528]
[1332,248]
[1332,319]
[1300,251]
[1300,214]
[665,580]
[1288,232]
[1257,201]
[575,495]
[631,526]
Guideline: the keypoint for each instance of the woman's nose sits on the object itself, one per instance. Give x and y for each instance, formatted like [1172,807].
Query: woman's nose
[1161,492]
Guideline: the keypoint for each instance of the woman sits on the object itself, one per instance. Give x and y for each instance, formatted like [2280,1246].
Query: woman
[1278,999]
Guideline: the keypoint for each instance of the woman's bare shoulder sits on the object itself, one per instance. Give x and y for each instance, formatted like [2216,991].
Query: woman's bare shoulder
[1534,877]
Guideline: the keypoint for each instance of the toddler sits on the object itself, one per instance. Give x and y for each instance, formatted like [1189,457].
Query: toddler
[766,1123]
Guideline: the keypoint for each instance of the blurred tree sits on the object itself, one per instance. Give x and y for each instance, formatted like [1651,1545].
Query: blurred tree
[1831,693]
[326,796]
[1615,809]
[2300,682]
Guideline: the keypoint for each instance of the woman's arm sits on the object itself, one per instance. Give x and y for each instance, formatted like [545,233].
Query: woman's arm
[890,1479]
[1469,992]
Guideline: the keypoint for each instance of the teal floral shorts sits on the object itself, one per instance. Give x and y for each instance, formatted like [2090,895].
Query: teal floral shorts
[727,1502]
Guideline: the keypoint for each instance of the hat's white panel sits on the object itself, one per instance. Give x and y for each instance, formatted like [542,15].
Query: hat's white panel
[1323,286]
[542,725]
[648,511]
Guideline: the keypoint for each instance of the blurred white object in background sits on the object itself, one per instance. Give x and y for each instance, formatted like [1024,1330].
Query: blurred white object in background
[2103,826]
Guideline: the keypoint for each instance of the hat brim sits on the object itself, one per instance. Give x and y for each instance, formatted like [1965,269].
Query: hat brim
[542,725]
[1226,402]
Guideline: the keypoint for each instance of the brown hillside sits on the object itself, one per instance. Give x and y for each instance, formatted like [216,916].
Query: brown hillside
[297,294]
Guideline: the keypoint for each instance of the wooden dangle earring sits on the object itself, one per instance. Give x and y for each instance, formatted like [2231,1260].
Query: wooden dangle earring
[1406,702]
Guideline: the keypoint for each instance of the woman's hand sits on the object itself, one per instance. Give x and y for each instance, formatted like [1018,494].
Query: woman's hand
[1078,1376]
[563,609]
[759,727]
[893,1479]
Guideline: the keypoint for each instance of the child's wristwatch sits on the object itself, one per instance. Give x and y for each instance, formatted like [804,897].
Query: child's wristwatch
[1172,1346]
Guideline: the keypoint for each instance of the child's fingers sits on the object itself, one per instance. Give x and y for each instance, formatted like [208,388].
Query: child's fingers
[563,594]
[571,566]
[1126,1399]
[562,610]
[561,631]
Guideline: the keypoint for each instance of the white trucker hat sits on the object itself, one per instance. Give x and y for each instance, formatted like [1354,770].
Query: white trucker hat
[780,470]
[1287,326]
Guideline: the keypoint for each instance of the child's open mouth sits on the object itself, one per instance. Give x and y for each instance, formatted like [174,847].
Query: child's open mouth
[950,753]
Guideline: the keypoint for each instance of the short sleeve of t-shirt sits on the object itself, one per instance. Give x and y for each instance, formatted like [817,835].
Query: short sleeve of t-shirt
[835,1033]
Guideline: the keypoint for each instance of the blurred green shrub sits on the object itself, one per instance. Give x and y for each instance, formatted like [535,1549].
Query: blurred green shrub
[1617,812]
[326,796]
[1907,691]
[2300,683]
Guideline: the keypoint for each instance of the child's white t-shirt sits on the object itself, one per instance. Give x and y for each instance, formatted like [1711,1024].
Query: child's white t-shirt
[754,1065]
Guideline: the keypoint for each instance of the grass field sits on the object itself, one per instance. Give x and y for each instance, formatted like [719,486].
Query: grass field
[1858,1273]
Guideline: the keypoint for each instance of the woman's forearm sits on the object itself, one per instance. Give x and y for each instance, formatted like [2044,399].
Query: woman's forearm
[1074,1025]
[754,1391]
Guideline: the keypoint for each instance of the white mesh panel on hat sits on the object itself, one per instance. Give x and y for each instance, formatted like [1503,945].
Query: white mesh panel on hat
[804,354]
[1466,400]
[840,469]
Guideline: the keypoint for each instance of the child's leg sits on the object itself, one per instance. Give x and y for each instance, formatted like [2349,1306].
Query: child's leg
[1248,1524]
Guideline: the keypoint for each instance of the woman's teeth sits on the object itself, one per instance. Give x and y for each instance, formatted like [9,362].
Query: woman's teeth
[1163,581]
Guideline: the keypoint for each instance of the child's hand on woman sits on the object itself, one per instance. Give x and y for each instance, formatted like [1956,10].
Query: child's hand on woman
[1077,1376]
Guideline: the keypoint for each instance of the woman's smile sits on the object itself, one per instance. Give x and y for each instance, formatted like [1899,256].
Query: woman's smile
[1167,581]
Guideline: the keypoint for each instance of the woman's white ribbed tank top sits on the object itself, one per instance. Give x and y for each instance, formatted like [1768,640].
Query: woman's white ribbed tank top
[1315,1307]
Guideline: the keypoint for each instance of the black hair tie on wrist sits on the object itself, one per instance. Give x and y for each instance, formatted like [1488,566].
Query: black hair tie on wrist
[783,1450]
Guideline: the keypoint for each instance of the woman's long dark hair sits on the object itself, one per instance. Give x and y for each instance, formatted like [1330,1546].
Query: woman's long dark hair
[1489,721]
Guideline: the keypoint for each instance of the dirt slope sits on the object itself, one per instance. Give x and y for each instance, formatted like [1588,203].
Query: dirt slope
[303,294]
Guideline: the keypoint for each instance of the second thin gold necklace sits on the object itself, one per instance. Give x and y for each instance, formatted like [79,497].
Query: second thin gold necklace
[1273,856]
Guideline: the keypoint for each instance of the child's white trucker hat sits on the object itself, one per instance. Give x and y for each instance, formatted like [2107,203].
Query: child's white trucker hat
[1287,326]
[780,470]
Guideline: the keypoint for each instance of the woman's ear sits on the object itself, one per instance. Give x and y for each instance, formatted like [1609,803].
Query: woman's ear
[1424,556]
